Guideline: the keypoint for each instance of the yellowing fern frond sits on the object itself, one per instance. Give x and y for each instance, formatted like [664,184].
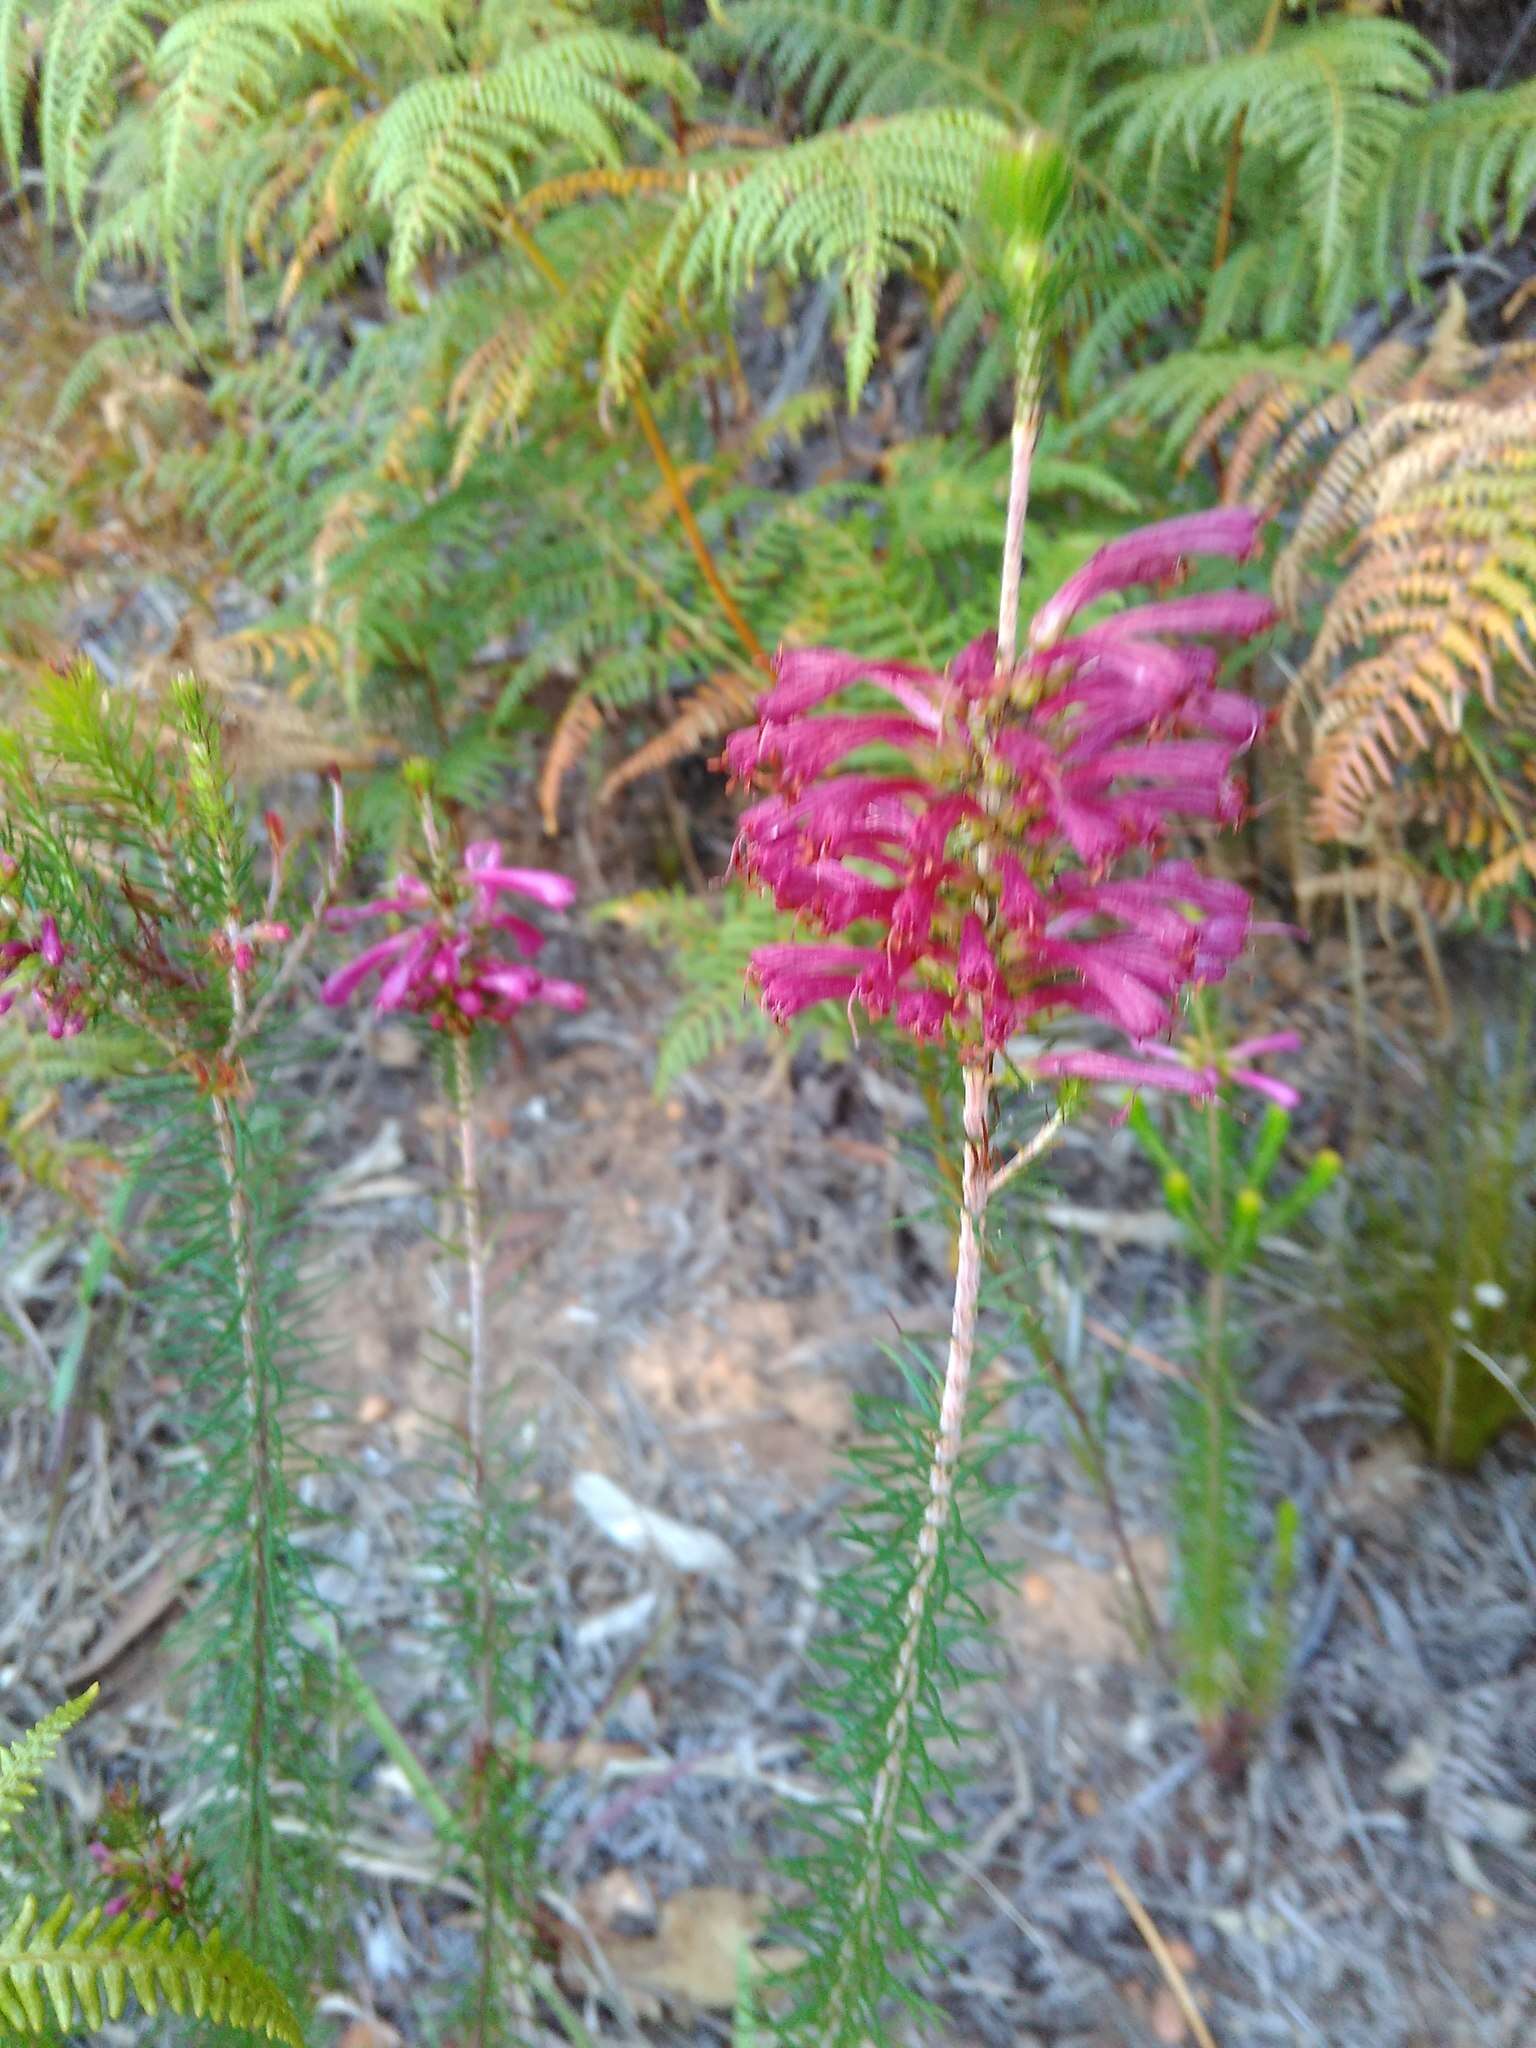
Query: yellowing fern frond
[1417,527]
[57,1970]
[23,1763]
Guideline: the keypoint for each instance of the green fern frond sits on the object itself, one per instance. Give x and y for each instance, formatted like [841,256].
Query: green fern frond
[1331,99]
[1468,167]
[445,157]
[711,941]
[23,1763]
[15,80]
[859,204]
[89,45]
[226,57]
[54,1973]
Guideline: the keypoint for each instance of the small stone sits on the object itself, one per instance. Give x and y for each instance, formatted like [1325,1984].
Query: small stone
[1085,1803]
[1484,1907]
[374,1409]
[1037,1590]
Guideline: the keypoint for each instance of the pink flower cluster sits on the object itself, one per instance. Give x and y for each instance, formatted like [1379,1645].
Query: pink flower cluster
[155,1877]
[56,992]
[1013,856]
[448,961]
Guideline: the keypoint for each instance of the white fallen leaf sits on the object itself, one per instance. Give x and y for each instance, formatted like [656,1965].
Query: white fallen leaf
[645,1532]
[628,1618]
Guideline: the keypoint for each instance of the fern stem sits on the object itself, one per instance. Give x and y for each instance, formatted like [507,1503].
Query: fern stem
[1026,429]
[1235,150]
[258,1402]
[645,419]
[672,482]
[1229,191]
[890,1782]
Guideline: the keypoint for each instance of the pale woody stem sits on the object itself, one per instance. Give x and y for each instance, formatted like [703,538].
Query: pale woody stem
[885,1804]
[1026,430]
[474,1253]
[259,1410]
[474,1266]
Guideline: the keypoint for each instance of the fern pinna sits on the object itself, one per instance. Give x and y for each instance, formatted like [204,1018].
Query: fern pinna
[58,1969]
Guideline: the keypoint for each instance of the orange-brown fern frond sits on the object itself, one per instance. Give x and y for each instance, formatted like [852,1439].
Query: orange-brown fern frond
[720,702]
[578,722]
[1414,707]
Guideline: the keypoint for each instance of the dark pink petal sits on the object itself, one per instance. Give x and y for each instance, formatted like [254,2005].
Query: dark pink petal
[924,1012]
[528,936]
[742,753]
[1132,903]
[555,892]
[1183,760]
[1183,882]
[49,944]
[1153,554]
[1280,1092]
[1226,715]
[1256,1048]
[808,676]
[347,980]
[974,669]
[1234,614]
[1135,1008]
[512,984]
[405,977]
[1023,906]
[1116,1067]
[562,995]
[803,749]
[976,972]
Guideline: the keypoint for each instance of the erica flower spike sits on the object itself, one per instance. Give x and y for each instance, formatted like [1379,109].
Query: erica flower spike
[1007,867]
[448,961]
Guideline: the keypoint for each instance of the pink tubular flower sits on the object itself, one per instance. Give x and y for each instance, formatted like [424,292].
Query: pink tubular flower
[1201,1069]
[58,996]
[1010,861]
[448,961]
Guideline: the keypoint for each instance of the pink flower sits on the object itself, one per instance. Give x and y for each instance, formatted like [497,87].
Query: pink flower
[448,962]
[1011,866]
[57,995]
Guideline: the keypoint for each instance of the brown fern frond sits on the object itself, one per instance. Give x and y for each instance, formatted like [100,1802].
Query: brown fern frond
[581,718]
[1260,397]
[1374,380]
[720,702]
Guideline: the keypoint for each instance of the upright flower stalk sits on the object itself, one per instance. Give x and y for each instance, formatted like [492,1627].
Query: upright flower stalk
[984,855]
[460,959]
